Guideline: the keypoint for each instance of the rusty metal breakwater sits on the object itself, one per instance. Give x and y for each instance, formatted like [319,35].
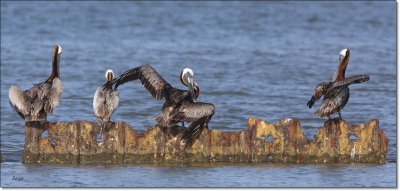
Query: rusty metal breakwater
[75,143]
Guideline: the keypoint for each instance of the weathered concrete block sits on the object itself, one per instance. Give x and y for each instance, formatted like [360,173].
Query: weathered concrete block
[75,142]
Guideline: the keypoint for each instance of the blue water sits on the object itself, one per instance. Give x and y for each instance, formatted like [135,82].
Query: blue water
[251,59]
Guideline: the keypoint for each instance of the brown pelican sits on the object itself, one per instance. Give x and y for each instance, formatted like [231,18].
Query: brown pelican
[336,93]
[39,101]
[105,99]
[179,106]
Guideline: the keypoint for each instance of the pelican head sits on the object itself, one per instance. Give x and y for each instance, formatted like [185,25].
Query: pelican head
[59,49]
[343,53]
[344,56]
[109,75]
[187,80]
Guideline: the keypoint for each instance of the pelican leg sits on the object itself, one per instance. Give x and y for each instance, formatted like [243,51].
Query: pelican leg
[103,125]
[37,123]
[99,136]
[340,115]
[41,123]
[183,124]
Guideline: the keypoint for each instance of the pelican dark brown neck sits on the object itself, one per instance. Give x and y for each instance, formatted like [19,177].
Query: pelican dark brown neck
[55,64]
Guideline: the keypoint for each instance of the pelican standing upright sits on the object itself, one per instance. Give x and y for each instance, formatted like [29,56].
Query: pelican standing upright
[336,93]
[39,101]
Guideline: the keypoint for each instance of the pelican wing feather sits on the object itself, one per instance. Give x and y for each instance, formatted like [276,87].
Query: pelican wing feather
[149,77]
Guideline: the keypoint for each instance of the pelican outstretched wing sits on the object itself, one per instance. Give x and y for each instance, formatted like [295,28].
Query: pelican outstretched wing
[17,101]
[331,88]
[348,81]
[149,77]
[319,91]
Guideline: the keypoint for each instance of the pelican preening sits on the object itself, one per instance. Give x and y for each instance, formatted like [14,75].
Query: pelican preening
[179,106]
[36,103]
[336,93]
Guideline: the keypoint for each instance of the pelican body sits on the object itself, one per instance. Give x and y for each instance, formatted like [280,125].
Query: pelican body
[39,101]
[180,105]
[336,93]
[105,99]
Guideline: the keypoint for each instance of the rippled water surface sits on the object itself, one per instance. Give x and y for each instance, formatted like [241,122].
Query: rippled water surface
[251,59]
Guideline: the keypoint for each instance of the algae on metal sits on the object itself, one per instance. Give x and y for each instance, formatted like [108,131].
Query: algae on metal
[284,142]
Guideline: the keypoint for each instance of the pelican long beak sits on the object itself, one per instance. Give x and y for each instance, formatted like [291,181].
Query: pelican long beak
[58,59]
[191,88]
[58,64]
[340,61]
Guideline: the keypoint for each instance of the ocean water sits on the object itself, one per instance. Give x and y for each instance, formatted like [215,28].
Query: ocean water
[251,59]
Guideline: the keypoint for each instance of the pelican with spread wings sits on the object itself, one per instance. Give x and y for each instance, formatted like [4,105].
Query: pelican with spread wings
[336,93]
[180,105]
[39,101]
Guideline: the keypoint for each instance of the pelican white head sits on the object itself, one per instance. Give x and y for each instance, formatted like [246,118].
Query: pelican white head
[187,71]
[343,52]
[187,80]
[109,71]
[187,76]
[59,49]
